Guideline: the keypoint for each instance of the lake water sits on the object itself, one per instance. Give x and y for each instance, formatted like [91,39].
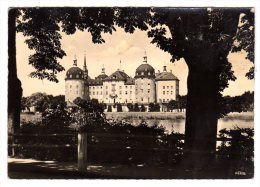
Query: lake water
[179,125]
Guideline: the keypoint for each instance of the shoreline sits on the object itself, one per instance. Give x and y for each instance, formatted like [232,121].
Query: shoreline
[246,116]
[171,115]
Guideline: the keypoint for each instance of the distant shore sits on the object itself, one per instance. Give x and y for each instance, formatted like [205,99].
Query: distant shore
[171,115]
[147,115]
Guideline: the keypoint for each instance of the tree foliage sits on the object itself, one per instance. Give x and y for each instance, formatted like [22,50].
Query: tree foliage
[42,101]
[88,114]
[238,153]
[245,39]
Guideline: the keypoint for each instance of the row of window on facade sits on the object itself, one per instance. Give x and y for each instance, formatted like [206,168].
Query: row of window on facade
[100,93]
[100,87]
[142,90]
[77,76]
[164,100]
[167,87]
[164,92]
[142,73]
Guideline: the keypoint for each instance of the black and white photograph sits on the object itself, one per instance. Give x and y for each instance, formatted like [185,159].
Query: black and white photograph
[149,92]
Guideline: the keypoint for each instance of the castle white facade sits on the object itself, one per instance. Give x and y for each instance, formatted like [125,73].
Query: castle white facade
[144,88]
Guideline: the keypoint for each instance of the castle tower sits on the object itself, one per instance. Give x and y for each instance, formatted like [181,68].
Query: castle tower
[85,67]
[75,84]
[145,83]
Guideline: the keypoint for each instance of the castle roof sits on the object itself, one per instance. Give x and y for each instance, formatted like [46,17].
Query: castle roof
[74,73]
[102,76]
[117,75]
[144,71]
[163,76]
[130,81]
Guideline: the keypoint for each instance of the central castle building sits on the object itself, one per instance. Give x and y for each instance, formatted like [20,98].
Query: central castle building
[145,87]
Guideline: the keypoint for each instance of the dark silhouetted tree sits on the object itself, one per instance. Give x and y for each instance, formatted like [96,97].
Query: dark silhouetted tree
[119,108]
[109,108]
[136,107]
[130,107]
[142,109]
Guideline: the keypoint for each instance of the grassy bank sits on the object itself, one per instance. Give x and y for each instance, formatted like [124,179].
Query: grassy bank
[145,115]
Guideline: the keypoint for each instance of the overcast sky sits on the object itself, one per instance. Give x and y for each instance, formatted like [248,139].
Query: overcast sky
[129,48]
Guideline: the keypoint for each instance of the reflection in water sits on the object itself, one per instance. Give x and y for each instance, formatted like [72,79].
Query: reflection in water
[179,125]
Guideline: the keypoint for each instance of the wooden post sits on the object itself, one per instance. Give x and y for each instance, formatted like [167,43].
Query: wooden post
[12,141]
[82,152]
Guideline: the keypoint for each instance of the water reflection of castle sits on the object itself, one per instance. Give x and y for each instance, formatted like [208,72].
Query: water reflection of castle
[146,86]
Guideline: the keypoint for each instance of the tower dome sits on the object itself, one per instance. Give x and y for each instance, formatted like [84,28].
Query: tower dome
[145,70]
[74,72]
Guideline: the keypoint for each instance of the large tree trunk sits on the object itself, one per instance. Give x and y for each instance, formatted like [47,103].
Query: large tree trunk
[202,110]
[14,84]
[204,62]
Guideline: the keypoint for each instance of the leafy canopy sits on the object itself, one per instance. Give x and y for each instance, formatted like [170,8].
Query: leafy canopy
[182,32]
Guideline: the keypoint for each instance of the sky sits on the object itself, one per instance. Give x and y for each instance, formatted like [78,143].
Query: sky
[130,49]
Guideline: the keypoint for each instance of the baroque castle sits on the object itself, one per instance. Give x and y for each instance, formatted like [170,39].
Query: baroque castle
[145,87]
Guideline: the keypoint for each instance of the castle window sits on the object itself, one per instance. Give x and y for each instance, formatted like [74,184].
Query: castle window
[167,92]
[106,92]
[93,93]
[142,99]
[148,91]
[171,87]
[163,92]
[100,87]
[120,87]
[125,86]
[171,92]
[93,87]
[167,87]
[148,84]
[130,92]
[120,92]
[164,100]
[142,90]
[163,87]
[126,92]
[70,86]
[160,100]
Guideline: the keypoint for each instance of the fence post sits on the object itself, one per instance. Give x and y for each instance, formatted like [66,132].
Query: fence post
[82,152]
[12,140]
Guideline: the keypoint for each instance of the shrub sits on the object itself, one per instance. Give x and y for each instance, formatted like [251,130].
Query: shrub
[136,108]
[119,108]
[109,109]
[130,107]
[143,109]
[238,153]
